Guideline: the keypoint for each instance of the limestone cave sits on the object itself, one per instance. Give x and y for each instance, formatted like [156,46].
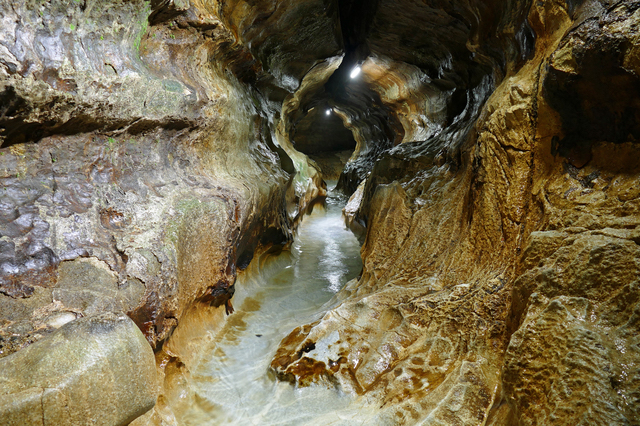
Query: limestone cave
[320,212]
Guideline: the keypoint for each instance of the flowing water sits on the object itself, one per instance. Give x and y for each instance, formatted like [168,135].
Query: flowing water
[231,380]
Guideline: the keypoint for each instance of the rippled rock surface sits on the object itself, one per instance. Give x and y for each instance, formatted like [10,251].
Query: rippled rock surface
[140,165]
[500,260]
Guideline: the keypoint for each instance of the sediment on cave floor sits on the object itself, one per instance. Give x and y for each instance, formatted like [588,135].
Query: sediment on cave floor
[161,159]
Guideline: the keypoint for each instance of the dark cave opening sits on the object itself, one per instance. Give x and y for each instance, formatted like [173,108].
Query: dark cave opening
[321,130]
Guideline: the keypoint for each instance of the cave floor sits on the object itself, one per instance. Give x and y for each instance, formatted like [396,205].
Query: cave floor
[232,382]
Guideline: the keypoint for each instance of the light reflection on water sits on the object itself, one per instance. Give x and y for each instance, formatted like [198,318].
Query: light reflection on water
[231,381]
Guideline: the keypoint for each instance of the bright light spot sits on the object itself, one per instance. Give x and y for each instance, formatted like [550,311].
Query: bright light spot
[329,112]
[355,72]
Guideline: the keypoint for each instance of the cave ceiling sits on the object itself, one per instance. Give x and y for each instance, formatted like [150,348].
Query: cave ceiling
[446,55]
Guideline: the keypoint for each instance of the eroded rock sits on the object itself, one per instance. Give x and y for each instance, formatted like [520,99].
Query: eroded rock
[497,259]
[148,150]
[97,369]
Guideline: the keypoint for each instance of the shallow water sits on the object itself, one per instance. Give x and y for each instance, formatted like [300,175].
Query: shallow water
[231,381]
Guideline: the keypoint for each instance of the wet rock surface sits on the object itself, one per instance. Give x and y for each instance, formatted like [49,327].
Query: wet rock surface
[137,231]
[98,370]
[140,168]
[137,191]
[149,150]
[499,261]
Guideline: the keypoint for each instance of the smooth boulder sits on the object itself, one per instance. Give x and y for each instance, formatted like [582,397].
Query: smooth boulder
[95,370]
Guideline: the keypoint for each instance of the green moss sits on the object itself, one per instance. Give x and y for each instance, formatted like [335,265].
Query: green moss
[256,102]
[72,27]
[111,143]
[138,39]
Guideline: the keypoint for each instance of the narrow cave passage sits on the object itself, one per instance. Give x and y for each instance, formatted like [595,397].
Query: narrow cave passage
[321,131]
[322,135]
[154,153]
[277,293]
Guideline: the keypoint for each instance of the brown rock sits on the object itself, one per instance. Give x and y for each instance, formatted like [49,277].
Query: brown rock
[149,150]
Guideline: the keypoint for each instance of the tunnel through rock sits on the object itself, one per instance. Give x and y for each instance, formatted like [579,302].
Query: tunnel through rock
[321,131]
[151,151]
[322,135]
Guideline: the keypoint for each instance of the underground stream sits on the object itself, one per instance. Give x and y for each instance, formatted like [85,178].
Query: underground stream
[231,380]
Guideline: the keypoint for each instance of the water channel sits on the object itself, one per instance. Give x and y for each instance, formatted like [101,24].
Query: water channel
[277,294]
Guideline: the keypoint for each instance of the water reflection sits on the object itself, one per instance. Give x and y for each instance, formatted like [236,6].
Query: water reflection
[232,386]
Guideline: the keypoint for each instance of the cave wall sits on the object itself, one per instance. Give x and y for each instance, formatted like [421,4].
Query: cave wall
[140,169]
[78,194]
[500,260]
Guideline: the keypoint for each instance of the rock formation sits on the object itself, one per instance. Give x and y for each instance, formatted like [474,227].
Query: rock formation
[149,150]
